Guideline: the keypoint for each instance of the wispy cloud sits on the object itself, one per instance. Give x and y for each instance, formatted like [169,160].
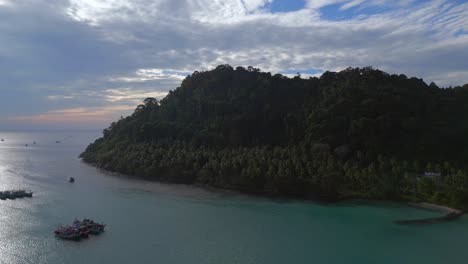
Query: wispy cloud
[144,75]
[131,95]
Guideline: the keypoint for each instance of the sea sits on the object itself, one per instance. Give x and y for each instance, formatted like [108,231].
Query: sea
[151,222]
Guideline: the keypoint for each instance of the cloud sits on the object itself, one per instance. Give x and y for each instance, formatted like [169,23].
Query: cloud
[5,2]
[351,4]
[144,75]
[59,97]
[131,95]
[72,54]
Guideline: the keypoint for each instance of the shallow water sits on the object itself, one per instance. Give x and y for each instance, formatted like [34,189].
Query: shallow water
[148,222]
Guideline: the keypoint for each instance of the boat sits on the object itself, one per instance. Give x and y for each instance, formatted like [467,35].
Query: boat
[2,139]
[10,195]
[67,233]
[71,179]
[13,194]
[79,229]
[97,229]
[89,225]
[19,193]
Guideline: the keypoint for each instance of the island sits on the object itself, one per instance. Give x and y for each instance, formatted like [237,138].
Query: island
[358,133]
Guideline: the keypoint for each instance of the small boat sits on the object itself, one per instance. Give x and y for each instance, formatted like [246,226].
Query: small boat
[25,145]
[58,141]
[67,234]
[28,194]
[10,195]
[90,226]
[19,193]
[2,139]
[79,229]
[71,179]
[97,229]
[3,196]
[34,142]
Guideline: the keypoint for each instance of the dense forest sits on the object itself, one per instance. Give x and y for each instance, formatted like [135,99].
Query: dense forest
[358,133]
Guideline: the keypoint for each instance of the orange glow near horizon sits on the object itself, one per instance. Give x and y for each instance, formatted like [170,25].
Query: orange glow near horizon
[104,114]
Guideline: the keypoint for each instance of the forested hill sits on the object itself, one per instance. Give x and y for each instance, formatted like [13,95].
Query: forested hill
[356,133]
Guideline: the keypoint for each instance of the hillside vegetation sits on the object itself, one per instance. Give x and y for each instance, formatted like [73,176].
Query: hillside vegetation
[356,133]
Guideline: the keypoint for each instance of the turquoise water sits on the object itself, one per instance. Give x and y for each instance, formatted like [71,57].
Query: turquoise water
[148,222]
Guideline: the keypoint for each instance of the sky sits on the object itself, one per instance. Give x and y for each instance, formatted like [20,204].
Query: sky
[81,64]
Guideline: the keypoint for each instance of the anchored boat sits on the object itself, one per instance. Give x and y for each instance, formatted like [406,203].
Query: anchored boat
[79,229]
[13,194]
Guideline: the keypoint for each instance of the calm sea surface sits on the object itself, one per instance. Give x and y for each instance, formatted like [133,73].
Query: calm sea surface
[148,222]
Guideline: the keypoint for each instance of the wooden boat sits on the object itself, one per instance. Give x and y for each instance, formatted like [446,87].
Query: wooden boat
[79,229]
[10,195]
[96,230]
[89,225]
[19,193]
[68,236]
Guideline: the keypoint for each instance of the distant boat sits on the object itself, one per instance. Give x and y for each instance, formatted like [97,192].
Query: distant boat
[2,139]
[13,194]
[71,179]
[34,142]
[28,194]
[58,141]
[10,195]
[25,145]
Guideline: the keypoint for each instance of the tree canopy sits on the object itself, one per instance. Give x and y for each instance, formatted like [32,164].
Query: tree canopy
[356,133]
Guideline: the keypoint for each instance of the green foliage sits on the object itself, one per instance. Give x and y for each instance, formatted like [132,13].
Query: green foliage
[359,132]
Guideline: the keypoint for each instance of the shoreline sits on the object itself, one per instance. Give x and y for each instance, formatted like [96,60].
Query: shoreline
[450,214]
[436,207]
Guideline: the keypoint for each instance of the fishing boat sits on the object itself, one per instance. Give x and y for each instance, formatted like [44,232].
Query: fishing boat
[79,229]
[89,225]
[19,193]
[13,194]
[67,233]
[71,179]
[10,195]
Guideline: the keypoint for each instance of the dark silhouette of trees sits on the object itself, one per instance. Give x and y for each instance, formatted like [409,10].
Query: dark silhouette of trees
[356,133]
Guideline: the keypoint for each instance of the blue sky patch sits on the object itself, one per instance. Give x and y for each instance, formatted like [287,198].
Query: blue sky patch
[461,33]
[304,71]
[282,6]
[335,13]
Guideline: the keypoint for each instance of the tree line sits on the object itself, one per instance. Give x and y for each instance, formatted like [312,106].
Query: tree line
[356,133]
